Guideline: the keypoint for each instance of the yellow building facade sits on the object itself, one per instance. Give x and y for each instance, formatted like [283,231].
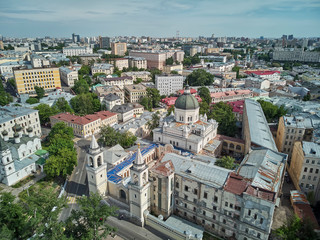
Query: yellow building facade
[27,79]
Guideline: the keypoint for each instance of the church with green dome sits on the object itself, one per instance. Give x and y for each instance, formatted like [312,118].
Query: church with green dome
[186,128]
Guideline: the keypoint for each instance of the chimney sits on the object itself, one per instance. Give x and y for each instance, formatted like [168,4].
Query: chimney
[30,132]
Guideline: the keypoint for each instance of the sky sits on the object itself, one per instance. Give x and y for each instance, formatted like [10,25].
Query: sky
[160,18]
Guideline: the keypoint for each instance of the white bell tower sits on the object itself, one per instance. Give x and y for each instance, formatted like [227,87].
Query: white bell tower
[139,194]
[6,164]
[96,169]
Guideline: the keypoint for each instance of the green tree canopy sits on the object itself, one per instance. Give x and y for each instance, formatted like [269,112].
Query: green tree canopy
[200,77]
[226,162]
[81,86]
[84,70]
[89,222]
[154,122]
[154,72]
[223,114]
[297,229]
[169,61]
[62,130]
[32,100]
[45,112]
[63,105]
[154,95]
[191,60]
[272,112]
[146,103]
[85,103]
[137,81]
[39,91]
[5,98]
[204,93]
[110,137]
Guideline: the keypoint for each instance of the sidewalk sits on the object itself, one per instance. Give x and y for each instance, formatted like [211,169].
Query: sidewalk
[16,191]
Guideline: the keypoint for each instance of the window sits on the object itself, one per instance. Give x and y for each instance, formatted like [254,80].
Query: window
[312,161]
[261,220]
[185,197]
[203,221]
[177,184]
[249,212]
[309,177]
[194,209]
[317,170]
[258,235]
[303,176]
[224,221]
[204,213]
[205,195]
[311,170]
[214,217]
[215,208]
[237,208]
[307,160]
[194,218]
[186,188]
[215,199]
[212,225]
[247,230]
[226,204]
[185,214]
[255,216]
[195,191]
[186,205]
[223,230]
[314,178]
[231,205]
[305,169]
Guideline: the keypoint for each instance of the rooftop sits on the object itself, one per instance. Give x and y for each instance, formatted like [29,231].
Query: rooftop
[311,149]
[260,133]
[8,113]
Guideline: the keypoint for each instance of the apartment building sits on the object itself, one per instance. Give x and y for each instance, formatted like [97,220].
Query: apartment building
[230,95]
[267,75]
[39,61]
[144,75]
[157,59]
[119,48]
[238,205]
[7,67]
[121,82]
[76,50]
[25,117]
[88,58]
[259,83]
[119,63]
[305,166]
[135,92]
[26,79]
[296,55]
[104,42]
[102,68]
[111,100]
[138,62]
[86,125]
[124,112]
[169,83]
[292,129]
[103,91]
[169,68]
[68,75]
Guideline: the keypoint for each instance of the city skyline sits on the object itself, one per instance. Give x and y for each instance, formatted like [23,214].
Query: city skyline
[160,18]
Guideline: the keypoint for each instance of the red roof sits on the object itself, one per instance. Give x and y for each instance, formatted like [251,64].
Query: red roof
[71,118]
[236,184]
[229,93]
[262,72]
[232,139]
[192,91]
[237,106]
[261,193]
[165,168]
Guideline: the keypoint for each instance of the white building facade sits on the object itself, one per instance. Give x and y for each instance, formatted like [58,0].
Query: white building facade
[169,83]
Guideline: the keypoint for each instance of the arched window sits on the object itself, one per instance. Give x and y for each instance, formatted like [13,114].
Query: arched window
[135,178]
[99,161]
[238,147]
[8,159]
[90,161]
[231,145]
[144,178]
[225,144]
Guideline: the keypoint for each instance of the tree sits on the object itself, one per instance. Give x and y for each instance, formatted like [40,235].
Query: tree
[85,103]
[204,93]
[200,77]
[45,112]
[146,103]
[109,136]
[81,86]
[307,97]
[63,105]
[297,229]
[12,219]
[226,162]
[127,139]
[170,110]
[62,130]
[169,61]
[32,100]
[5,98]
[174,72]
[117,71]
[95,76]
[223,114]
[154,95]
[154,122]
[272,112]
[137,81]
[84,70]
[154,72]
[204,108]
[39,91]
[89,222]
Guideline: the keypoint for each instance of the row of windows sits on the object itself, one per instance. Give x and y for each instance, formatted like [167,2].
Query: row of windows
[309,177]
[310,170]
[312,161]
[31,73]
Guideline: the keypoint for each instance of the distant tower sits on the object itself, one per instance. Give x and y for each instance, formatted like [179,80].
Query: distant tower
[6,162]
[139,188]
[96,169]
[177,34]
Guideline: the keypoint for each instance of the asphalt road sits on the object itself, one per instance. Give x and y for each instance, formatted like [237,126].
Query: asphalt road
[77,184]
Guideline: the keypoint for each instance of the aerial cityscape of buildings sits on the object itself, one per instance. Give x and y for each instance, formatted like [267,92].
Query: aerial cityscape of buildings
[208,137]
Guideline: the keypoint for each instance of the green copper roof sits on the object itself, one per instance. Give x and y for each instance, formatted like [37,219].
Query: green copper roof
[186,101]
[3,145]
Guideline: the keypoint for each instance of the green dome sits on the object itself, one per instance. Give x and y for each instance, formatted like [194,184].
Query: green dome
[4,133]
[186,101]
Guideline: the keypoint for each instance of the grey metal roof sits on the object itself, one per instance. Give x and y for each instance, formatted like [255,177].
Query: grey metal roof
[265,167]
[20,164]
[260,133]
[121,109]
[184,226]
[113,154]
[8,113]
[203,172]
[311,149]
[186,101]
[111,97]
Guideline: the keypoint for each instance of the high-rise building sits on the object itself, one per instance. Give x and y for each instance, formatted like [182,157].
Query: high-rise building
[75,38]
[104,42]
[119,48]
[290,37]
